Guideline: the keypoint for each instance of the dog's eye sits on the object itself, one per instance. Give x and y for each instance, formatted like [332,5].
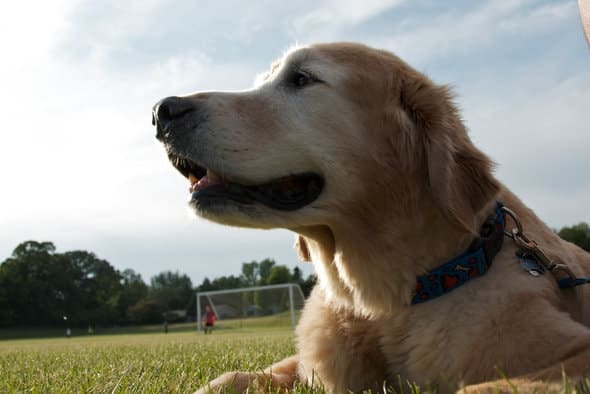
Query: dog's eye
[302,79]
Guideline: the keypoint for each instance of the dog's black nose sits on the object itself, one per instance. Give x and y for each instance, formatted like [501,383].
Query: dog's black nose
[166,111]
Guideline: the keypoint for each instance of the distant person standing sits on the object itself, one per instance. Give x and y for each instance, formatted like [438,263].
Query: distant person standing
[209,319]
[68,331]
[165,326]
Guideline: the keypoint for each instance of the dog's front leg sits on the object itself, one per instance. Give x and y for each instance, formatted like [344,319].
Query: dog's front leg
[279,375]
[339,351]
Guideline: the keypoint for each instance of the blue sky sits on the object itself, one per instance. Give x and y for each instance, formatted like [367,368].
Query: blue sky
[80,165]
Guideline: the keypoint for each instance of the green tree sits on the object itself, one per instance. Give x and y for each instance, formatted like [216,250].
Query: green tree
[99,285]
[297,276]
[133,290]
[7,314]
[146,311]
[264,268]
[40,287]
[173,289]
[308,284]
[206,285]
[250,273]
[279,274]
[578,234]
[227,282]
[36,285]
[32,248]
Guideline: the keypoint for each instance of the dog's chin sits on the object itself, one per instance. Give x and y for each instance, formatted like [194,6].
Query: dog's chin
[232,213]
[263,206]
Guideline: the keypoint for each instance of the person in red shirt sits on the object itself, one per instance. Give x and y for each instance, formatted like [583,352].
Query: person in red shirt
[209,319]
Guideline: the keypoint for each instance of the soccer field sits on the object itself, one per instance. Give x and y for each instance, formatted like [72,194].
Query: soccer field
[153,363]
[177,362]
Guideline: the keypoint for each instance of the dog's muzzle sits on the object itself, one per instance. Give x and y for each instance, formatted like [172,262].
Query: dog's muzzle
[175,117]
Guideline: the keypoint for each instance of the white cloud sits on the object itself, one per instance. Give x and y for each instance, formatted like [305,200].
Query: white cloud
[344,12]
[329,17]
[457,33]
[535,127]
[28,30]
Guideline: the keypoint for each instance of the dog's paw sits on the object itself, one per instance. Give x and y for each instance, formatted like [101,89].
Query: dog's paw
[281,375]
[239,382]
[229,382]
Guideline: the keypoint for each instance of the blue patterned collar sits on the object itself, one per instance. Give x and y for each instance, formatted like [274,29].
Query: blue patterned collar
[473,263]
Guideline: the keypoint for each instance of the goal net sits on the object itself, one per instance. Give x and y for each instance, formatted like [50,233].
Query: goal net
[271,305]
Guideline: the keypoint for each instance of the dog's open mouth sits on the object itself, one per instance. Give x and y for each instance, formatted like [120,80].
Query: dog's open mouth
[287,193]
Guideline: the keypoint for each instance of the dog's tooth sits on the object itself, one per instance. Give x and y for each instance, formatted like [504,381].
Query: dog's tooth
[193,180]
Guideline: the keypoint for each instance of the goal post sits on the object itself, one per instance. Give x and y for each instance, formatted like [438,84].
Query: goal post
[251,301]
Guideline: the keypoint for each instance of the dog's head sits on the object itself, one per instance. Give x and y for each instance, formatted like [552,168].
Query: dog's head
[331,131]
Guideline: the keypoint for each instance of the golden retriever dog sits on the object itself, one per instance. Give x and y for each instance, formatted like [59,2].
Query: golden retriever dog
[369,163]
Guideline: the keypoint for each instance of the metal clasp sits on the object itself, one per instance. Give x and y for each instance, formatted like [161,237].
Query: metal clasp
[531,248]
[518,229]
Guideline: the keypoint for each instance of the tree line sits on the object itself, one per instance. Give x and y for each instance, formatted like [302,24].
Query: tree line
[265,272]
[41,287]
[578,234]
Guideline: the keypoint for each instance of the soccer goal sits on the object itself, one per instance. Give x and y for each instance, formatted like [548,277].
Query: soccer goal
[270,304]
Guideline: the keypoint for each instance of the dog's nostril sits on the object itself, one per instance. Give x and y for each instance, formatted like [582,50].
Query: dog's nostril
[163,113]
[168,110]
[172,108]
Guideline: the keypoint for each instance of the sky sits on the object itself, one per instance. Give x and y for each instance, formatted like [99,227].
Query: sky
[80,166]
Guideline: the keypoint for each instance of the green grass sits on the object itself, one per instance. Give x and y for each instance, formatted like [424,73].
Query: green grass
[149,361]
[139,359]
[176,362]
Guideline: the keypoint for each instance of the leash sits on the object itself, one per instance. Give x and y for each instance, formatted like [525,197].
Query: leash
[478,259]
[535,261]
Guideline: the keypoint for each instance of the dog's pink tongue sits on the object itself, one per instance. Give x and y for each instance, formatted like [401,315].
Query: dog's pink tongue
[203,183]
[208,180]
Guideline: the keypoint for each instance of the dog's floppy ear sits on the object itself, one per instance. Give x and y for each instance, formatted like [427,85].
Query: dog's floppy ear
[459,175]
[302,250]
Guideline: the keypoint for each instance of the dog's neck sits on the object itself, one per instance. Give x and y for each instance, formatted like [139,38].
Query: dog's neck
[370,265]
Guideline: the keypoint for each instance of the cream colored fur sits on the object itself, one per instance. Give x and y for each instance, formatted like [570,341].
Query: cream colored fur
[405,191]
